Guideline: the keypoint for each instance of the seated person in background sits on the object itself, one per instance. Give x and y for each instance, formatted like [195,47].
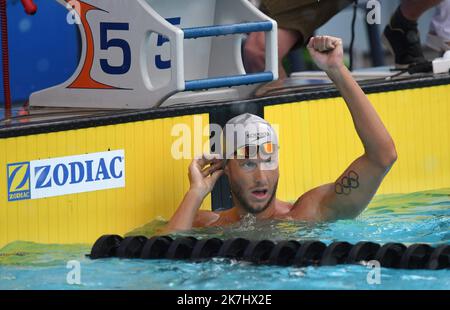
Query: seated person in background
[439,34]
[251,163]
[401,35]
[297,20]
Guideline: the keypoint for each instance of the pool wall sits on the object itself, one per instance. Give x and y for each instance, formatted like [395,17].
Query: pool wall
[317,140]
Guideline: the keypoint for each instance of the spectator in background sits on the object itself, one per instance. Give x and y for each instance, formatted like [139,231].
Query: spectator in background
[401,35]
[439,34]
[297,20]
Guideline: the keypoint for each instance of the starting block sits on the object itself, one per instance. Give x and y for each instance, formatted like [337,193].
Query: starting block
[136,54]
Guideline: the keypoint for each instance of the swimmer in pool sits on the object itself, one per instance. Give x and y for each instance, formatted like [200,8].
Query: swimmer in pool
[251,163]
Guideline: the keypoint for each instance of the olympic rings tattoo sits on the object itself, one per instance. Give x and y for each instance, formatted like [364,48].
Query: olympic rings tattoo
[349,182]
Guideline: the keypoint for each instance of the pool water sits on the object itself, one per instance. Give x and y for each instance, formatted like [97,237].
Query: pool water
[413,218]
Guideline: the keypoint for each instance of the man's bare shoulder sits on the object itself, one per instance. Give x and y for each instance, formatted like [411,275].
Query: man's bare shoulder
[205,218]
[282,208]
[307,205]
[214,218]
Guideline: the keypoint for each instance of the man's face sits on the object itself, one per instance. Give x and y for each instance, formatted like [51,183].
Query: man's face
[253,182]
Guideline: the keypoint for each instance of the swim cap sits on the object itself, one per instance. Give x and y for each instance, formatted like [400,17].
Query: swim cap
[248,132]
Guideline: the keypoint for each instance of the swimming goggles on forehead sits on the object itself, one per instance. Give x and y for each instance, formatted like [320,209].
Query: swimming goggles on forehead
[251,151]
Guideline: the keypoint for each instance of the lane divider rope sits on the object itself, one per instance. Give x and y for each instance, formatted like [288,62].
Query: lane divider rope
[281,253]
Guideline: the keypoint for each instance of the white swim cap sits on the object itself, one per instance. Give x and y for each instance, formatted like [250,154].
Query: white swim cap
[248,130]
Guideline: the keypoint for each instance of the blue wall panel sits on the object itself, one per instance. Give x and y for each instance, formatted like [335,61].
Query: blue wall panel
[43,48]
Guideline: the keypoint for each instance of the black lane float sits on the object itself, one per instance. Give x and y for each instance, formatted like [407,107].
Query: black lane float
[281,253]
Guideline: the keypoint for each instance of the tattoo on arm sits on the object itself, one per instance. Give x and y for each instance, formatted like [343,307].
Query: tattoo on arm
[347,183]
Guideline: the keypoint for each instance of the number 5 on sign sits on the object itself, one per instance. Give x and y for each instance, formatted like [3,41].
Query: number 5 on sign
[122,44]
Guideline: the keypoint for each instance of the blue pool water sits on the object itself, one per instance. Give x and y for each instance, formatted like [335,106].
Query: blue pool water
[414,218]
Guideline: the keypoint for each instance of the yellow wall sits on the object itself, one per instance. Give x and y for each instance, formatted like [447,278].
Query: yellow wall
[318,140]
[155,183]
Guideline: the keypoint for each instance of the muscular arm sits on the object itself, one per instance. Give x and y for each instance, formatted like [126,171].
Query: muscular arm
[185,215]
[203,174]
[354,189]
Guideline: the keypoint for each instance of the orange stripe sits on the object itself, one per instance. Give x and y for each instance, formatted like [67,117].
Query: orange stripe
[84,79]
